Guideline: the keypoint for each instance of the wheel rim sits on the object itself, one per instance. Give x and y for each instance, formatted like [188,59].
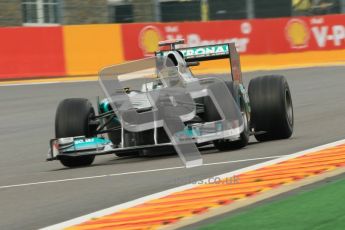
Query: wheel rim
[288,107]
[90,131]
[245,118]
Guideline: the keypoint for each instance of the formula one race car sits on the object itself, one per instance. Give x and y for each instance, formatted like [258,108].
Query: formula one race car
[212,110]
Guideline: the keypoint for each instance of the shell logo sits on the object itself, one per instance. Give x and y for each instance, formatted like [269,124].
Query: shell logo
[297,33]
[149,37]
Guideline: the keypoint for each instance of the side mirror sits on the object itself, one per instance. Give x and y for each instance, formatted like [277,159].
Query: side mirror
[193,63]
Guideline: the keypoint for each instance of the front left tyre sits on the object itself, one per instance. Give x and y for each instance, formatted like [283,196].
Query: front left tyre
[72,119]
[272,109]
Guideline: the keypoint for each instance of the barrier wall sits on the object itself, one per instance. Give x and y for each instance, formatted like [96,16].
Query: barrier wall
[28,52]
[259,36]
[89,48]
[85,49]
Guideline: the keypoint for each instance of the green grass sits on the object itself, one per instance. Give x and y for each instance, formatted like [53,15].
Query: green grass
[321,208]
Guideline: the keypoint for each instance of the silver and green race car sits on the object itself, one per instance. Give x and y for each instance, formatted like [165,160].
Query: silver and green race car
[170,110]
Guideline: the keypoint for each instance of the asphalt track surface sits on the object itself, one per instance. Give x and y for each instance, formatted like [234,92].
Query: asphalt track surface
[27,124]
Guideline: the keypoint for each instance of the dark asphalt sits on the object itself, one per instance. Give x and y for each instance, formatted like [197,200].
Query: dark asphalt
[27,120]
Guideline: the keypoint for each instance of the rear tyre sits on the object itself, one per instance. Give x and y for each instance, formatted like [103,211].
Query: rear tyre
[211,114]
[72,119]
[271,107]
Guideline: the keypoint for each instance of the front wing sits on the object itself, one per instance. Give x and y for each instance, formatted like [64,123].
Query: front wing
[82,146]
[99,146]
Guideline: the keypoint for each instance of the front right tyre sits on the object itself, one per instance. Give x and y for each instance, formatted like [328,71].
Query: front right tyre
[72,119]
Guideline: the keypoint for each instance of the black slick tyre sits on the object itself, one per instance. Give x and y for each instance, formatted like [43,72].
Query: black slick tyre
[72,119]
[271,108]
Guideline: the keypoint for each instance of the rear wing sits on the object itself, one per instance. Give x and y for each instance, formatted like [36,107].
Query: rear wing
[204,53]
[212,52]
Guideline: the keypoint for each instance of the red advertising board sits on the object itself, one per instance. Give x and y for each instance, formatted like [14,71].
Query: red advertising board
[307,34]
[27,52]
[39,51]
[258,36]
[142,39]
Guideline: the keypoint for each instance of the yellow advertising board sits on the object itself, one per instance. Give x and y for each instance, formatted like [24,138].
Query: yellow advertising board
[88,48]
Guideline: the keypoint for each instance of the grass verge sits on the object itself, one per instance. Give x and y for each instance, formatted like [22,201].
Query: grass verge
[321,208]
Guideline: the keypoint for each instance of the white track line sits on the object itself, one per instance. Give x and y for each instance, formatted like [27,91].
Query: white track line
[46,83]
[130,173]
[158,195]
[245,71]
